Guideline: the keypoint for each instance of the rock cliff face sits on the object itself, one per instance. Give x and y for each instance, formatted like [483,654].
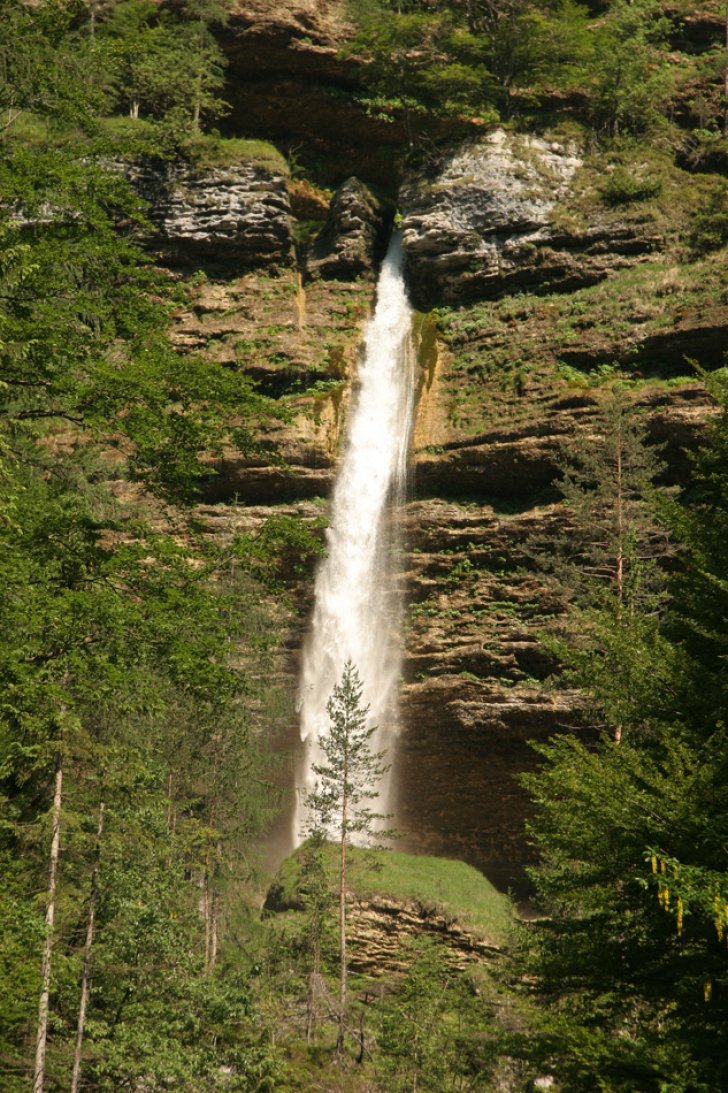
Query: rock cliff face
[289,82]
[482,224]
[237,215]
[471,227]
[293,78]
[354,237]
[381,928]
[299,345]
[543,293]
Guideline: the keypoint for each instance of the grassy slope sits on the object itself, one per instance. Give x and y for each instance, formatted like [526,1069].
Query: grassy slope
[439,885]
[130,138]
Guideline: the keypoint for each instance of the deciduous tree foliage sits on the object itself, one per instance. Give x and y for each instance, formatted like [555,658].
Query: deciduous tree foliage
[510,58]
[131,675]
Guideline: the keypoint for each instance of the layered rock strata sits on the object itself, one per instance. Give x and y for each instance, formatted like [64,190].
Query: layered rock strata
[299,344]
[481,224]
[507,378]
[354,238]
[290,79]
[380,930]
[237,215]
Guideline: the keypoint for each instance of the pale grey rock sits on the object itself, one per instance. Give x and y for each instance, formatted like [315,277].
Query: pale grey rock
[238,214]
[481,224]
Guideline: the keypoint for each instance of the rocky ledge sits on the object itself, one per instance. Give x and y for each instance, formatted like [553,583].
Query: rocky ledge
[380,929]
[238,214]
[518,459]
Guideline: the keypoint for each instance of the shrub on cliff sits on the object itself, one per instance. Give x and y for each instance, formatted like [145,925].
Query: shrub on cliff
[709,230]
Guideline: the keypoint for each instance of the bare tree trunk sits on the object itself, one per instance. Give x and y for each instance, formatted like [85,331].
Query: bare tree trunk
[620,531]
[134,109]
[342,923]
[311,1012]
[213,934]
[170,805]
[86,975]
[42,1035]
[206,897]
[360,1056]
[210,901]
[11,117]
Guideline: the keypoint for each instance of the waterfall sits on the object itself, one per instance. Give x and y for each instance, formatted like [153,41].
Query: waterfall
[357,612]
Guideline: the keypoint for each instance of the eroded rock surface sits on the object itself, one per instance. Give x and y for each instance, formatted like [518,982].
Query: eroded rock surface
[238,214]
[353,240]
[518,460]
[289,80]
[506,381]
[299,343]
[380,930]
[481,224]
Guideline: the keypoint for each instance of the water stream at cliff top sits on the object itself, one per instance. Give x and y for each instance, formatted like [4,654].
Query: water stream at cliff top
[357,612]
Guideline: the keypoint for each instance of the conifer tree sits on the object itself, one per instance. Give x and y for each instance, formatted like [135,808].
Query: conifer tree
[629,956]
[612,540]
[608,557]
[348,781]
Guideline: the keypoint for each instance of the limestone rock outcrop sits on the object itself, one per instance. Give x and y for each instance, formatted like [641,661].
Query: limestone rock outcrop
[480,224]
[238,214]
[353,239]
[380,929]
[518,460]
[298,342]
[545,311]
[381,925]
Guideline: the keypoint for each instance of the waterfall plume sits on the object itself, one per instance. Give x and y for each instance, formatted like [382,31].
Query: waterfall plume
[357,613]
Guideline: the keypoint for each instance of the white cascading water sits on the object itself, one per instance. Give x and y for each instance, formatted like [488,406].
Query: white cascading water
[357,612]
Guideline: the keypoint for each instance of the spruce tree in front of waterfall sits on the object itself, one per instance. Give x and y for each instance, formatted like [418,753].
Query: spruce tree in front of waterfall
[347,783]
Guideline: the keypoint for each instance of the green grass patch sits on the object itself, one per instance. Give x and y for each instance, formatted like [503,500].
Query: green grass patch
[129,138]
[212,150]
[439,885]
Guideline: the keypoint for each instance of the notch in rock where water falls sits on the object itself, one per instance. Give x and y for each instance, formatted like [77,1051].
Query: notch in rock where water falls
[357,611]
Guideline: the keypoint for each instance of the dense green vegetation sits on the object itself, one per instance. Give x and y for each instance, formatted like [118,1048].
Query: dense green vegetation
[433,1024]
[610,65]
[631,828]
[139,658]
[132,737]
